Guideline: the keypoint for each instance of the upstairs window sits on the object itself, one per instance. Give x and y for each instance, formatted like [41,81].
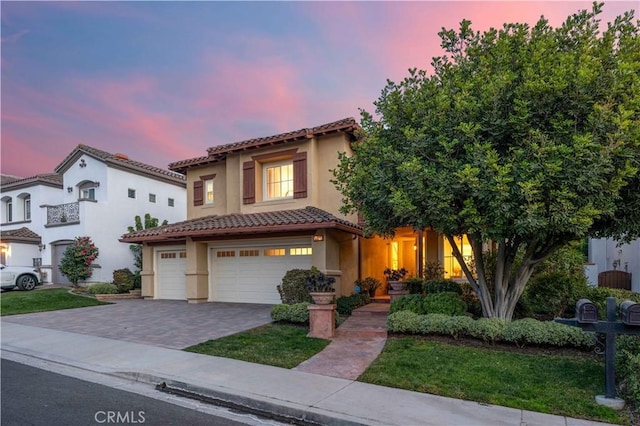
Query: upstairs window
[278,179]
[9,211]
[88,190]
[27,208]
[131,193]
[171,202]
[152,198]
[208,191]
[203,190]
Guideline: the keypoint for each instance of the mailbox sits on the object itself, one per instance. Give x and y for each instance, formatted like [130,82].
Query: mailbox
[586,311]
[630,312]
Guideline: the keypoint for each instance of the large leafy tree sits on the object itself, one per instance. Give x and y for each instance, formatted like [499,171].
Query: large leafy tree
[527,137]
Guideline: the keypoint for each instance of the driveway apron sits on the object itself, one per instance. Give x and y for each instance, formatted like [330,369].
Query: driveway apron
[170,324]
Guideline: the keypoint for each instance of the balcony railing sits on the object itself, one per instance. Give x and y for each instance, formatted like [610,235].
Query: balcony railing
[63,213]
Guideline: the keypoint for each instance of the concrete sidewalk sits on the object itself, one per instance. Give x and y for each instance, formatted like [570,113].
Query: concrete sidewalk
[296,394]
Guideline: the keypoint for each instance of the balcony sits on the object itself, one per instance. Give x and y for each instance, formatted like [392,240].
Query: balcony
[63,214]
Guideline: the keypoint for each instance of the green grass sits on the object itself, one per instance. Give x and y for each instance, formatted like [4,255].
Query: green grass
[272,344]
[563,385]
[25,302]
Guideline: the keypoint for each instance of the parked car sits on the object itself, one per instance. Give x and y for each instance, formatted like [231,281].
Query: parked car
[23,277]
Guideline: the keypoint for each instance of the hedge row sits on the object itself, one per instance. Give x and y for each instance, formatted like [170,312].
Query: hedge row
[102,288]
[448,303]
[522,332]
[297,313]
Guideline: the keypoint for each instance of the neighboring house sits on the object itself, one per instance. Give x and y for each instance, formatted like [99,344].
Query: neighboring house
[605,254]
[92,193]
[263,206]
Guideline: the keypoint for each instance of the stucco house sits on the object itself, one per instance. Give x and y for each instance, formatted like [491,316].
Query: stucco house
[260,207]
[92,193]
[608,254]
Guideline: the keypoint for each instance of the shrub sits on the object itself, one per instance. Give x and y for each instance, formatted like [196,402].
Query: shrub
[346,304]
[474,307]
[441,286]
[448,303]
[598,295]
[489,330]
[293,290]
[628,368]
[410,302]
[123,280]
[531,331]
[296,313]
[433,270]
[414,285]
[549,295]
[102,288]
[406,322]
[77,259]
[368,285]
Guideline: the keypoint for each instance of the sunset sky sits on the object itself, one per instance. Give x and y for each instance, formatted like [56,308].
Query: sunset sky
[163,81]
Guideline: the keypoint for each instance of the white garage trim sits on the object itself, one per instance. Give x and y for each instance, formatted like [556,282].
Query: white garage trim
[249,271]
[170,266]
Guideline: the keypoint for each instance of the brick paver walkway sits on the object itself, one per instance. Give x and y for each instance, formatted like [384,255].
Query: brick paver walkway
[171,324]
[358,342]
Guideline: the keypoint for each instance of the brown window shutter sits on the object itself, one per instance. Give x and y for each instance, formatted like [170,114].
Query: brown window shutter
[197,193]
[249,182]
[300,175]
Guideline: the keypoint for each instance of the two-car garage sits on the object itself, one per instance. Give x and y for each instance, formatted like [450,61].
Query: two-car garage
[241,272]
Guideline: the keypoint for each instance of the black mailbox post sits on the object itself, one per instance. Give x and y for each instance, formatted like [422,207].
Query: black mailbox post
[630,324]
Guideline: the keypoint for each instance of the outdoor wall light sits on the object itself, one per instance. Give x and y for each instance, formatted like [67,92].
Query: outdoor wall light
[42,246]
[318,238]
[69,189]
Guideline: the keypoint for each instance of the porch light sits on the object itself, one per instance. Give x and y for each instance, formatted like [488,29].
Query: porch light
[318,238]
[69,189]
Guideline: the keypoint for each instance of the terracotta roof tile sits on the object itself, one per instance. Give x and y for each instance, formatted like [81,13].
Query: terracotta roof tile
[218,153]
[122,160]
[23,234]
[276,221]
[47,178]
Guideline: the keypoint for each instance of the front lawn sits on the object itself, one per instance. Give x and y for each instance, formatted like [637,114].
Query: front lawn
[556,384]
[279,345]
[25,302]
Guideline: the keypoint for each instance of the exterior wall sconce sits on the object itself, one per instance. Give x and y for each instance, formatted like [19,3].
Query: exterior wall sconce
[69,189]
[318,238]
[82,163]
[41,246]
[97,184]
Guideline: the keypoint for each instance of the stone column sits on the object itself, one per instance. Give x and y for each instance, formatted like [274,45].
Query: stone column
[322,321]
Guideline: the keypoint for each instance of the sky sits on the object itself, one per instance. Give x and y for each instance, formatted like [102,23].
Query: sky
[164,81]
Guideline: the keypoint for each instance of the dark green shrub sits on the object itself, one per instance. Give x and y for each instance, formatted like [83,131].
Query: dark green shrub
[628,368]
[441,286]
[102,288]
[549,295]
[368,285]
[293,289]
[297,313]
[598,295]
[318,282]
[414,285]
[411,302]
[433,270]
[123,279]
[448,303]
[474,307]
[346,304]
[546,333]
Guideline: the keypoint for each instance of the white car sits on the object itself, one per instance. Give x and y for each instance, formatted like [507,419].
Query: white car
[23,277]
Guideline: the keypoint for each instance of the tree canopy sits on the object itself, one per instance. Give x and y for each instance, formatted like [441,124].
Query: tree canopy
[528,137]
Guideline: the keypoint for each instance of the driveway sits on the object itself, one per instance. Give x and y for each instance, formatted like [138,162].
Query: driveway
[167,323]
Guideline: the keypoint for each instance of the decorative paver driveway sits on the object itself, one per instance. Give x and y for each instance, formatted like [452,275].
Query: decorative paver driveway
[168,323]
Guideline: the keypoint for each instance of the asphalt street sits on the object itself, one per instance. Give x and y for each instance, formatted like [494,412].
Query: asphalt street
[33,396]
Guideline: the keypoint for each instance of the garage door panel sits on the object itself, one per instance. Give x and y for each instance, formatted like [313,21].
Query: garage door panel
[247,278]
[171,280]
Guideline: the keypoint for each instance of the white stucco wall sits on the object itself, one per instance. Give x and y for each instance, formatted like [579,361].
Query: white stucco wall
[604,252]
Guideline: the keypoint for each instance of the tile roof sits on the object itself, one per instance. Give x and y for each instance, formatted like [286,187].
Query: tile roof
[308,218]
[218,153]
[120,160]
[23,234]
[52,179]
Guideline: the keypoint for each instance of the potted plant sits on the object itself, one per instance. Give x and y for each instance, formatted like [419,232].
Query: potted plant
[368,285]
[394,277]
[320,287]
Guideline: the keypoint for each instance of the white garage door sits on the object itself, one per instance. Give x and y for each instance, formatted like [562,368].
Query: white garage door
[170,274]
[250,274]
